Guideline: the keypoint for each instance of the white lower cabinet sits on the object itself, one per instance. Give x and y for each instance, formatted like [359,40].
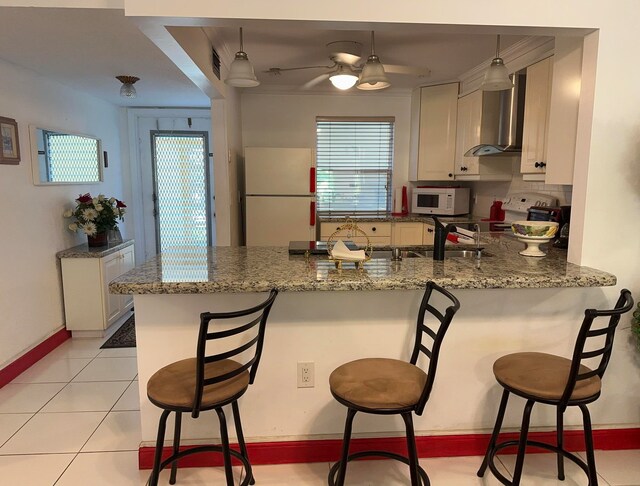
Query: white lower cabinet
[88,304]
[379,233]
[405,234]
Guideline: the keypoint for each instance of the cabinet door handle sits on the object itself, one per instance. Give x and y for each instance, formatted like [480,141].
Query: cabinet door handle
[540,165]
[373,229]
[450,174]
[429,230]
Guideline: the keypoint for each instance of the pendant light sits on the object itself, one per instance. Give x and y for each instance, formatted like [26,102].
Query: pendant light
[127,90]
[497,77]
[373,75]
[343,78]
[241,73]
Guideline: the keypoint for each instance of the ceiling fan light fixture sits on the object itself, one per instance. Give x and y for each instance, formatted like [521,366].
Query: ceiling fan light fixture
[373,76]
[127,90]
[241,74]
[496,78]
[342,79]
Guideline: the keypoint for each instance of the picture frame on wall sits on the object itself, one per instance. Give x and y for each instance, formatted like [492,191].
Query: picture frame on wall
[9,141]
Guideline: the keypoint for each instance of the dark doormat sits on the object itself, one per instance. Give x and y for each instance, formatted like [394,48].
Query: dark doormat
[125,337]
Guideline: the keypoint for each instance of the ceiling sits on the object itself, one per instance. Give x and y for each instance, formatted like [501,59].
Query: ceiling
[86,48]
[444,56]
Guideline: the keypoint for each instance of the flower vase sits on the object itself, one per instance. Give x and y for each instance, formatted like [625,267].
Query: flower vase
[99,239]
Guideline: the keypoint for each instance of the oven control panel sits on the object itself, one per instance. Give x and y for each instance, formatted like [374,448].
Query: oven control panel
[521,202]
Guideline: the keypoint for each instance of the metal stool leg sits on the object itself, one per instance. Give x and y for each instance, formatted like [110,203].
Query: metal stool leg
[524,431]
[162,426]
[224,439]
[560,437]
[411,448]
[496,432]
[344,459]
[588,439]
[239,433]
[176,447]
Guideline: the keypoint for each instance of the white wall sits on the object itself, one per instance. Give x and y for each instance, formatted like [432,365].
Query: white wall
[486,192]
[33,228]
[290,120]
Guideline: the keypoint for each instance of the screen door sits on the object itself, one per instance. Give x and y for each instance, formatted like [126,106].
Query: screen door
[181,174]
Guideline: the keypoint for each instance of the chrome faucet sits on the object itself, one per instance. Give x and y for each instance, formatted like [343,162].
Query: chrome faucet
[476,237]
[440,238]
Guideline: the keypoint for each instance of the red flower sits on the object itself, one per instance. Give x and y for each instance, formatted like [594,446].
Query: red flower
[86,198]
[120,204]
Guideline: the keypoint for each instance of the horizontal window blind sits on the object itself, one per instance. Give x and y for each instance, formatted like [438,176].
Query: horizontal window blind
[354,160]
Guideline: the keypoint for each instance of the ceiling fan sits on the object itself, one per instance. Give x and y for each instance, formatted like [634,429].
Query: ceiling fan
[346,69]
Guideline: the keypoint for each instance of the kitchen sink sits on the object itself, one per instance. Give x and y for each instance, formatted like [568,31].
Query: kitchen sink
[457,253]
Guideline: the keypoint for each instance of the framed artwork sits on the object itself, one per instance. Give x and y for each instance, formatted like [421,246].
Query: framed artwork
[9,142]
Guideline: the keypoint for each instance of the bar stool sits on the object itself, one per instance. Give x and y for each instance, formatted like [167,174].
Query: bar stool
[388,386]
[558,381]
[209,382]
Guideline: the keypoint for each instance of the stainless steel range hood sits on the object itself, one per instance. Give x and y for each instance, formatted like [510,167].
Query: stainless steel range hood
[508,110]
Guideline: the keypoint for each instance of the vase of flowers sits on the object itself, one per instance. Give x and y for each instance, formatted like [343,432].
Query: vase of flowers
[95,216]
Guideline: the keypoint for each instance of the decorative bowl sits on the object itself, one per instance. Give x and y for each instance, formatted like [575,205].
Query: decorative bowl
[534,229]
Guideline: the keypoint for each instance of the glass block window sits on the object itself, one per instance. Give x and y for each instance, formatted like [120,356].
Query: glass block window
[354,161]
[182,189]
[71,158]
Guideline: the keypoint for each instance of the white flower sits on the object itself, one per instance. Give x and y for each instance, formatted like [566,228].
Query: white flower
[89,229]
[89,214]
[122,211]
[68,213]
[99,207]
[73,227]
[112,200]
[101,197]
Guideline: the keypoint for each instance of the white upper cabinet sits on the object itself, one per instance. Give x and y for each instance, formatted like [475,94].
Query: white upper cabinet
[433,132]
[476,126]
[536,120]
[571,111]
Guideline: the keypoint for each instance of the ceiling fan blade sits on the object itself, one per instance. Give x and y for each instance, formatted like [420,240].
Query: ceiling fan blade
[314,81]
[345,58]
[399,69]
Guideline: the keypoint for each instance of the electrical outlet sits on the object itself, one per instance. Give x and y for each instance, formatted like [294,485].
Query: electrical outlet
[306,375]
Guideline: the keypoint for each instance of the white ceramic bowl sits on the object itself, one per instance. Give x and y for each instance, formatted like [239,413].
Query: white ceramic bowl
[534,229]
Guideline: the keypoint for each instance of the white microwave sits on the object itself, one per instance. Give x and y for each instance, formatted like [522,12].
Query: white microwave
[440,201]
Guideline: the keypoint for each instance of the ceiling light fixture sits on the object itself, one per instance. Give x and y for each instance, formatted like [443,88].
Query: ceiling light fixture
[343,78]
[373,75]
[241,73]
[497,77]
[127,90]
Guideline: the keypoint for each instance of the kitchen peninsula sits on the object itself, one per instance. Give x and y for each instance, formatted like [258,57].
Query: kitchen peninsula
[509,303]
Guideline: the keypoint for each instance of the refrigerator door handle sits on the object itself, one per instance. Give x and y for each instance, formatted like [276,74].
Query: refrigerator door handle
[312,213]
[312,180]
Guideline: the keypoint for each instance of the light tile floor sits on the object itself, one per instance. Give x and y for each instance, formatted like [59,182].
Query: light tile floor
[73,419]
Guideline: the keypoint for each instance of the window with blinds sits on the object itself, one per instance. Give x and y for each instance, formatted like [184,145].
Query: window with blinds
[354,159]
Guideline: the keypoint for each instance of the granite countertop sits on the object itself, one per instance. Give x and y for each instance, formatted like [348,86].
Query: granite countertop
[85,251]
[258,269]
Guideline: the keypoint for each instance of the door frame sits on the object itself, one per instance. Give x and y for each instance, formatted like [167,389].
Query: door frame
[207,174]
[130,151]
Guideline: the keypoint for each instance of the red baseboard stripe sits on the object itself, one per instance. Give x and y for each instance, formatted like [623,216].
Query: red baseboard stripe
[32,356]
[428,446]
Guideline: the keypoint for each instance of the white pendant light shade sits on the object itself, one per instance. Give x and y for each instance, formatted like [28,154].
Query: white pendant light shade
[497,76]
[373,76]
[241,74]
[343,79]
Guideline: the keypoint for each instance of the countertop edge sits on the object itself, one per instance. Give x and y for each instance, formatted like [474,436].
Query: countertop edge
[84,251]
[606,280]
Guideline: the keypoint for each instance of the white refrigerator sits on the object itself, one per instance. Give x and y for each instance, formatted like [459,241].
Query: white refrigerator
[280,204]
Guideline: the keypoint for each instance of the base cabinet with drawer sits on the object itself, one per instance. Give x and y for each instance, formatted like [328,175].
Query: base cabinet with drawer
[379,233]
[89,307]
